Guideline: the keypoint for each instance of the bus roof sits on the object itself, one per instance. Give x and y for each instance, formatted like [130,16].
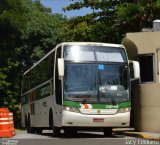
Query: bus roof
[74,43]
[92,44]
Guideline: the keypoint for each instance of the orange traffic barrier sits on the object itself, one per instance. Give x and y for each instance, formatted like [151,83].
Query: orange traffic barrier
[6,123]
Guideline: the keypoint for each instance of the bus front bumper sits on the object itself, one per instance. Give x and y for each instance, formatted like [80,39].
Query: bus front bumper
[72,119]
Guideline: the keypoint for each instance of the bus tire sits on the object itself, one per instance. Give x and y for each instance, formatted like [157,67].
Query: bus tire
[38,130]
[70,132]
[107,131]
[56,130]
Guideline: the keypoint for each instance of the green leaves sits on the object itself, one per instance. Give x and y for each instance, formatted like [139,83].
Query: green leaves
[41,34]
[28,30]
[37,53]
[128,9]
[110,20]
[132,17]
[97,26]
[3,78]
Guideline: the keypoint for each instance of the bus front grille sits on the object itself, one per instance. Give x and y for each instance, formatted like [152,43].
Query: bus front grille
[99,111]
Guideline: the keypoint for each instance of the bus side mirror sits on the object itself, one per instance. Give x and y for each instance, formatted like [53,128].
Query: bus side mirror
[134,70]
[61,67]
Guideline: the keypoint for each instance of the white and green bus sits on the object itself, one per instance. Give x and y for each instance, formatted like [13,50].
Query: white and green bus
[78,86]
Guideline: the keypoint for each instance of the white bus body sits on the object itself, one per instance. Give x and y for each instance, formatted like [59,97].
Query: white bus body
[93,92]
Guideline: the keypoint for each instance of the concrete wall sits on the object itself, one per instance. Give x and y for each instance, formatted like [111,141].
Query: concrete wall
[147,107]
[146,42]
[147,95]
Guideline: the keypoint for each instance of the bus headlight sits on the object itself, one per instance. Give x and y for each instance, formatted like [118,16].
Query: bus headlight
[123,110]
[71,109]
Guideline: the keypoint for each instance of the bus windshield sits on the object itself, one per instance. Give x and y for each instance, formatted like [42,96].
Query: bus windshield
[96,83]
[85,53]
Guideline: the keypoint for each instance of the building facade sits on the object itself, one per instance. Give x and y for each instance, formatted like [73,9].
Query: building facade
[145,48]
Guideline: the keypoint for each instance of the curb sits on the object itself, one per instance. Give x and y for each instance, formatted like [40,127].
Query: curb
[142,135]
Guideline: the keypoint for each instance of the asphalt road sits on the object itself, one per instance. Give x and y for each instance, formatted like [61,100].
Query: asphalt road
[81,138]
[47,134]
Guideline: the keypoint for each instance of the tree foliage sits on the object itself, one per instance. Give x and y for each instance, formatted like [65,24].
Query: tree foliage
[98,24]
[132,17]
[41,34]
[110,20]
[28,30]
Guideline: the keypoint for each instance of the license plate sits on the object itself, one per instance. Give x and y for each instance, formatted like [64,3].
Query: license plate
[98,120]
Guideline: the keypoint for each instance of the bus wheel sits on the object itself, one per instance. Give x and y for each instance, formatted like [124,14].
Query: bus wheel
[56,130]
[70,132]
[29,128]
[107,131]
[38,130]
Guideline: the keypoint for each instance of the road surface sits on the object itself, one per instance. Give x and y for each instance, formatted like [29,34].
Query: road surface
[82,138]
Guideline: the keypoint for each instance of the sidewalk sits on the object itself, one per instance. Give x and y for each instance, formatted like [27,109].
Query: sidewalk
[132,132]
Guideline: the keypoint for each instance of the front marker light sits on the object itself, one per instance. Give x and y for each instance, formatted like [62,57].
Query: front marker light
[71,109]
[67,108]
[123,110]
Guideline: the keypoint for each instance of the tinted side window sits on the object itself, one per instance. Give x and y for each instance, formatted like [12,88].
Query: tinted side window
[38,75]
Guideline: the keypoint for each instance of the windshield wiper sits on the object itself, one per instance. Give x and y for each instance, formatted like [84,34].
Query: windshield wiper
[89,94]
[106,90]
[110,95]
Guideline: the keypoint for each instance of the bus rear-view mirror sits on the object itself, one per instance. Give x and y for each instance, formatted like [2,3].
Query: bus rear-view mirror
[134,70]
[61,67]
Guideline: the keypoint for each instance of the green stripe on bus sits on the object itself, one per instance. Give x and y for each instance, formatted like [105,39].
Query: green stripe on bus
[71,104]
[125,104]
[98,106]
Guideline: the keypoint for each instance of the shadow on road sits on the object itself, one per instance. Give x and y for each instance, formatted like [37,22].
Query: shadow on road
[83,135]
